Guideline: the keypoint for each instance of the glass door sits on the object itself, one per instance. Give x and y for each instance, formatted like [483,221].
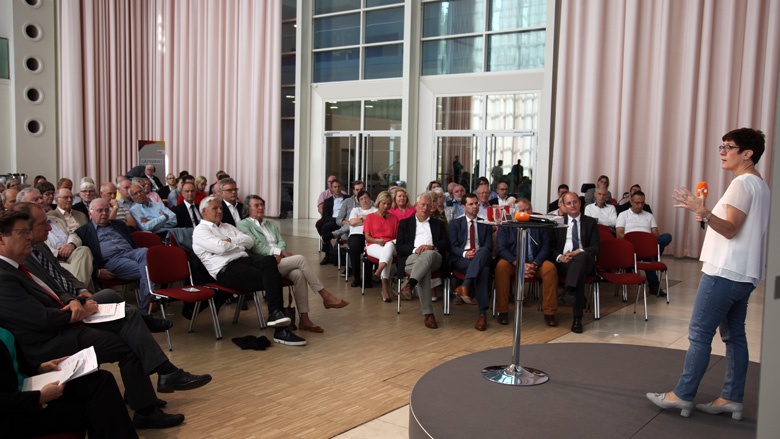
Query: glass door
[373,157]
[341,156]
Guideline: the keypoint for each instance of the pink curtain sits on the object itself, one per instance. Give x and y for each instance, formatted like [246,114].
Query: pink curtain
[203,76]
[646,89]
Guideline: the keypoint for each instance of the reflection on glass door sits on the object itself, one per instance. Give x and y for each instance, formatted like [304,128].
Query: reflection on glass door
[341,149]
[458,156]
[373,157]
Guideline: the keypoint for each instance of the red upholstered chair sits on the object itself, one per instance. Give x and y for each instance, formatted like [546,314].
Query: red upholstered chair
[147,239]
[167,265]
[616,257]
[646,247]
[605,232]
[373,261]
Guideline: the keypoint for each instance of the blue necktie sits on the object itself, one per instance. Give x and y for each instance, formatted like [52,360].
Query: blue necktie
[575,236]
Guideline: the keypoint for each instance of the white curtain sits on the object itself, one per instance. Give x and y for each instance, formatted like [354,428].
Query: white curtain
[646,89]
[203,76]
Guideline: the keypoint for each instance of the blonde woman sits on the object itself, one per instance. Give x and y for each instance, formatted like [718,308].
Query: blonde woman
[380,230]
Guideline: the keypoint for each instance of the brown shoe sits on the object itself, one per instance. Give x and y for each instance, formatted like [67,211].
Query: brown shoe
[550,320]
[481,323]
[503,318]
[430,321]
[463,293]
[406,291]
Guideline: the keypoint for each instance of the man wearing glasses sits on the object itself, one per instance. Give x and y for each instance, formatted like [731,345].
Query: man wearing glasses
[87,193]
[232,209]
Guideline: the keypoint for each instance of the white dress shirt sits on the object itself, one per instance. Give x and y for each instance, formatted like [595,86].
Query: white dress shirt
[606,215]
[422,233]
[217,245]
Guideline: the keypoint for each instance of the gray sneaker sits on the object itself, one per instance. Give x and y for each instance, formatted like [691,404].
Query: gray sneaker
[285,336]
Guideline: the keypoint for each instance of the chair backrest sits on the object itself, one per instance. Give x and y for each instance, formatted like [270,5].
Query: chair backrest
[147,239]
[616,254]
[166,264]
[605,232]
[645,244]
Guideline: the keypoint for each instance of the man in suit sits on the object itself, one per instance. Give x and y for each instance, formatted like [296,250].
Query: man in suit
[49,327]
[154,182]
[503,193]
[114,251]
[233,210]
[536,265]
[187,212]
[421,244]
[64,211]
[87,193]
[330,212]
[472,248]
[574,251]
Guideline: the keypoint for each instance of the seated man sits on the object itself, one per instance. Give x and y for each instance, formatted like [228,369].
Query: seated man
[47,326]
[625,206]
[590,195]
[421,244]
[324,195]
[602,211]
[269,242]
[330,213]
[223,250]
[503,192]
[64,246]
[483,203]
[232,209]
[114,251]
[536,265]
[170,184]
[123,197]
[562,189]
[346,209]
[64,211]
[637,220]
[199,196]
[472,253]
[154,183]
[119,210]
[87,193]
[187,213]
[9,197]
[150,216]
[457,195]
[574,251]
[144,183]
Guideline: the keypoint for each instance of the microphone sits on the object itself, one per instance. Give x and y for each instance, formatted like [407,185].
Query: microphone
[702,191]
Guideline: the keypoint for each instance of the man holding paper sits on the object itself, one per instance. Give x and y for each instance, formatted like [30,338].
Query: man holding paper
[48,328]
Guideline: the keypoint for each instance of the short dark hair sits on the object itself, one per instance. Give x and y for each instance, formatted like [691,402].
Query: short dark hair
[8,219]
[357,182]
[335,180]
[45,186]
[26,208]
[468,195]
[563,186]
[637,193]
[63,180]
[748,139]
[363,192]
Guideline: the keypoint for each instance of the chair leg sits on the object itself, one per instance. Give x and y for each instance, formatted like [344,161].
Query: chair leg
[665,274]
[259,310]
[362,276]
[195,313]
[644,297]
[239,304]
[446,284]
[214,319]
[399,296]
[168,332]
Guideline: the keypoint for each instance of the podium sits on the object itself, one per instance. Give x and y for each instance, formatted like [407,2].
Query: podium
[514,374]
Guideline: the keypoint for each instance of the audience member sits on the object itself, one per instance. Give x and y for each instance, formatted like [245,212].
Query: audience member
[483,202]
[170,184]
[154,183]
[9,197]
[150,216]
[146,185]
[187,212]
[330,211]
[562,189]
[625,206]
[433,185]
[232,209]
[119,210]
[346,210]
[87,193]
[327,193]
[356,242]
[457,194]
[603,181]
[503,192]
[401,207]
[602,211]
[381,230]
[64,211]
[200,184]
[215,186]
[47,192]
[199,195]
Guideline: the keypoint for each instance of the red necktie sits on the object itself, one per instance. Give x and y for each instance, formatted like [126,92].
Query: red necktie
[472,236]
[48,290]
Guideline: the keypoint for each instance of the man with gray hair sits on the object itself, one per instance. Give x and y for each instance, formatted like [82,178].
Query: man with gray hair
[421,244]
[9,198]
[154,182]
[150,216]
[233,210]
[87,193]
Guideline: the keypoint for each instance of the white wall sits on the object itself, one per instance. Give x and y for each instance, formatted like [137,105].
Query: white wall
[7,134]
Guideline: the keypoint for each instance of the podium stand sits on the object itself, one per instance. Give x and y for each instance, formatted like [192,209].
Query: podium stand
[514,374]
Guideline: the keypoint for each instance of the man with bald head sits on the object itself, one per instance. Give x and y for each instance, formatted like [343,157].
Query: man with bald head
[115,253]
[9,198]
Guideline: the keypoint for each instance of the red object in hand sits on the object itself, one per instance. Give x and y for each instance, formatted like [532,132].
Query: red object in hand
[522,216]
[702,190]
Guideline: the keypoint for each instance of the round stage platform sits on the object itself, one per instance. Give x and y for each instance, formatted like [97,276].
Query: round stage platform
[594,391]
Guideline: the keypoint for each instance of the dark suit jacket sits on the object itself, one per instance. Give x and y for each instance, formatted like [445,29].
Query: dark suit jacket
[11,399]
[227,217]
[589,237]
[493,201]
[89,237]
[506,244]
[405,240]
[459,237]
[35,268]
[81,207]
[183,218]
[327,209]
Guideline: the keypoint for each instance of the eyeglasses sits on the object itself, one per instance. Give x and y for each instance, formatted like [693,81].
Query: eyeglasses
[727,148]
[230,190]
[104,210]
[23,232]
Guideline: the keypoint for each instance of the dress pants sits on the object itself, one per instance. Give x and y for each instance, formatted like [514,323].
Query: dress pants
[356,244]
[477,272]
[384,253]
[297,271]
[91,403]
[505,271]
[255,273]
[576,271]
[420,268]
[131,266]
[79,264]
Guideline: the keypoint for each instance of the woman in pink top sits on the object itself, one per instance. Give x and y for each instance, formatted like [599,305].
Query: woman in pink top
[380,230]
[401,207]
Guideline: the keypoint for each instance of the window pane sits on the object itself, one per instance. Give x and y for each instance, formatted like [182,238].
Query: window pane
[384,25]
[288,101]
[453,17]
[288,69]
[287,198]
[373,3]
[342,116]
[342,30]
[289,8]
[516,51]
[338,65]
[383,62]
[513,112]
[383,114]
[288,134]
[459,113]
[458,55]
[517,14]
[328,6]
[288,37]
[288,166]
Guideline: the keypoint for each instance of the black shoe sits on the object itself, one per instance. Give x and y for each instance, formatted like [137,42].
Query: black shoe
[325,260]
[277,319]
[160,403]
[180,380]
[158,324]
[284,336]
[576,326]
[355,283]
[158,419]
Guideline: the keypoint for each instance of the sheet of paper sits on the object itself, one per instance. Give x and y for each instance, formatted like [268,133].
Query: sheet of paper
[79,364]
[107,312]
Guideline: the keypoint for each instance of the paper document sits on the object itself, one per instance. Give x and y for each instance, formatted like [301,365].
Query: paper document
[107,312]
[83,362]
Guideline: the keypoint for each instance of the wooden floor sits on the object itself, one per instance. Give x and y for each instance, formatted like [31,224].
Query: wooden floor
[362,367]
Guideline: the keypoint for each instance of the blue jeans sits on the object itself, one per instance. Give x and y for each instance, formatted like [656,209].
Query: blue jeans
[719,303]
[132,266]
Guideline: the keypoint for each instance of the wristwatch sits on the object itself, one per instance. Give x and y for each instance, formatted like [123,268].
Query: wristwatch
[706,219]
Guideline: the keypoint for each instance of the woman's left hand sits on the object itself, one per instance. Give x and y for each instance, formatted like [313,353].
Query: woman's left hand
[687,200]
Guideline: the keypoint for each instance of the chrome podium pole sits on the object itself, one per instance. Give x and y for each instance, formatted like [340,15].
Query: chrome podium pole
[514,374]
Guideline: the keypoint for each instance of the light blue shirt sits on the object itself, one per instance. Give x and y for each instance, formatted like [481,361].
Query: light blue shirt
[111,242]
[151,211]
